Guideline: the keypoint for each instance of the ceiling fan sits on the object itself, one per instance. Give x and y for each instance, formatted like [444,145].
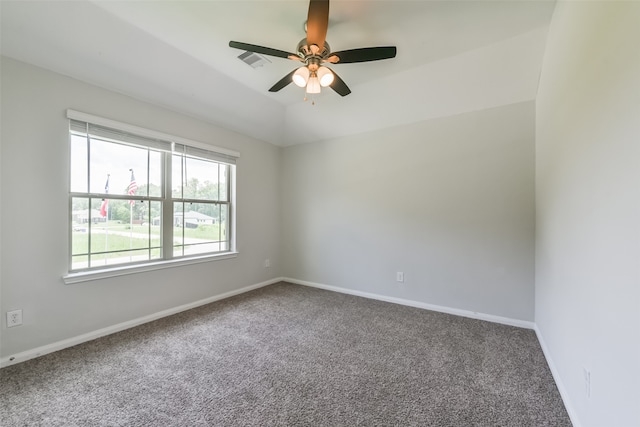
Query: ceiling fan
[313,51]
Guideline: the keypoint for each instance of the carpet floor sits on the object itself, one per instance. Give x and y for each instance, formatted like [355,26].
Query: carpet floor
[289,355]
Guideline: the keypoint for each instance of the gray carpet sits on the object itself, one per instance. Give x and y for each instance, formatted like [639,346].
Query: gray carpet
[289,355]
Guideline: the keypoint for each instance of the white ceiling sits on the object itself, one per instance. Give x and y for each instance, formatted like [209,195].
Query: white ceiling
[453,57]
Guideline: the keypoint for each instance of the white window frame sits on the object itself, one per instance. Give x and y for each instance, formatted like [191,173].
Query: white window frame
[166,262]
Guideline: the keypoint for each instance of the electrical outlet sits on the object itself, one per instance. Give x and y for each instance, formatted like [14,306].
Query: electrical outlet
[587,381]
[14,318]
[267,263]
[399,276]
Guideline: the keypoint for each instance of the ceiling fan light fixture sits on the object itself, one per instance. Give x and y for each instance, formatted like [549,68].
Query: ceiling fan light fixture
[314,85]
[301,76]
[325,76]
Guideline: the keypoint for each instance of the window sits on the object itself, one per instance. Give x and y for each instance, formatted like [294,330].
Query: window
[139,196]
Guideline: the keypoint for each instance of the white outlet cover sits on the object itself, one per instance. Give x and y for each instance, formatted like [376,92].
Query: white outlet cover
[587,381]
[14,318]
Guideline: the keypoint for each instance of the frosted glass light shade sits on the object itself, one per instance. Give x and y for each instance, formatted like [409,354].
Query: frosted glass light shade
[301,76]
[325,76]
[314,85]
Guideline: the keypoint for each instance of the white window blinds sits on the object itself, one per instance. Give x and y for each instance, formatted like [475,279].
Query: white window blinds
[122,133]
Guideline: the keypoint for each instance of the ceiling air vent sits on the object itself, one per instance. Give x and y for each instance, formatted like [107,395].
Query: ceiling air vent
[253,59]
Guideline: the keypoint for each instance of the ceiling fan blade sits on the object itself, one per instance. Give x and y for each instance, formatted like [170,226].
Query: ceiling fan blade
[317,22]
[364,54]
[264,50]
[283,82]
[339,85]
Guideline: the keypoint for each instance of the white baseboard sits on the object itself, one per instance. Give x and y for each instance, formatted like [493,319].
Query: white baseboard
[573,416]
[70,342]
[455,311]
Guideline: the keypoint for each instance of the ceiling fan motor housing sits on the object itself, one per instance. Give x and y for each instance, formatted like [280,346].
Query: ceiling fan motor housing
[307,52]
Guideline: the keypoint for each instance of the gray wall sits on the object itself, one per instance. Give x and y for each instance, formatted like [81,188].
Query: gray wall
[34,178]
[588,209]
[450,202]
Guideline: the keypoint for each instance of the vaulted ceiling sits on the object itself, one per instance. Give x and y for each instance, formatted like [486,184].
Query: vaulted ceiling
[453,57]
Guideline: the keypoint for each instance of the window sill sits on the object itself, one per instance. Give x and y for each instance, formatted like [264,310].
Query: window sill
[86,276]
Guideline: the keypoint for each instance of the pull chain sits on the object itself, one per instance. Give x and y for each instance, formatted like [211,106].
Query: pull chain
[313,100]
